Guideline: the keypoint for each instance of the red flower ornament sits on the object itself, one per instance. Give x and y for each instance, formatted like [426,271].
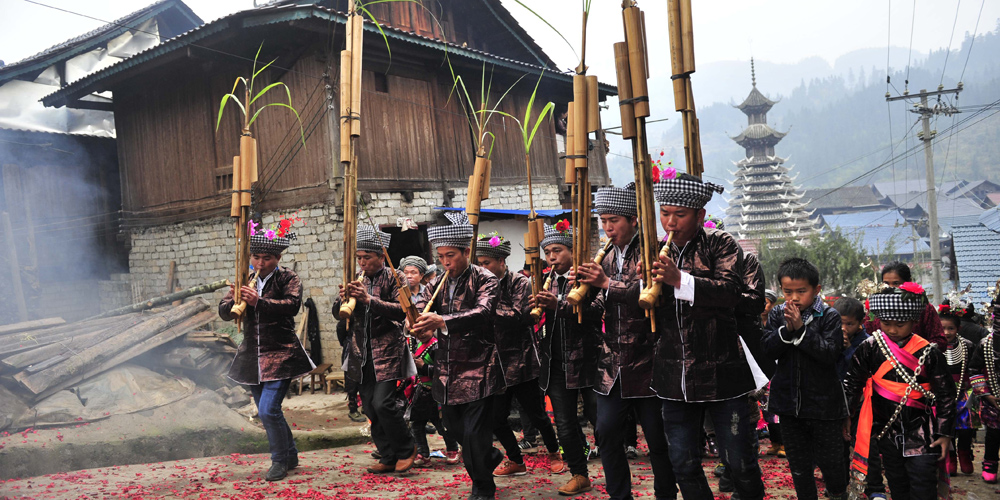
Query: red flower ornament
[912,287]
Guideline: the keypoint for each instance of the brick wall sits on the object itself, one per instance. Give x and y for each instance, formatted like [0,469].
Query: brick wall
[203,250]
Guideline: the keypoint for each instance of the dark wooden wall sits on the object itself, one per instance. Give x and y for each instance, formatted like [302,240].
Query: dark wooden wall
[175,166]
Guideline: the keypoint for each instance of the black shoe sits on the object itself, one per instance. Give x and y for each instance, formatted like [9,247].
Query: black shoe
[430,429]
[277,472]
[631,453]
[356,416]
[726,484]
[376,455]
[720,470]
[293,462]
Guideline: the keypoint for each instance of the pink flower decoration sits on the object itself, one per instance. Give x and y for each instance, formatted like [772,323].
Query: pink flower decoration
[495,241]
[670,173]
[912,287]
[269,234]
[711,225]
[252,226]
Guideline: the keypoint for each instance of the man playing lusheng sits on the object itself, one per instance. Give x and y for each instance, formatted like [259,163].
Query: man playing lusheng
[377,356]
[515,338]
[468,371]
[625,366]
[700,365]
[270,355]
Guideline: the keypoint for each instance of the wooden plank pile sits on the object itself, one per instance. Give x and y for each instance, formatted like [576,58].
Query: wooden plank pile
[41,359]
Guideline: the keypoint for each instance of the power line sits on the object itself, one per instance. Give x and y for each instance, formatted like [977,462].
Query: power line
[950,41]
[913,20]
[973,42]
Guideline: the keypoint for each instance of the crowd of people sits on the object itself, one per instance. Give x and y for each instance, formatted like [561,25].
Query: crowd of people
[890,387]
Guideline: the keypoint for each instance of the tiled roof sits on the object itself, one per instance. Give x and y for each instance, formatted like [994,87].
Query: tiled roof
[879,218]
[759,131]
[991,219]
[876,229]
[845,197]
[977,258]
[755,102]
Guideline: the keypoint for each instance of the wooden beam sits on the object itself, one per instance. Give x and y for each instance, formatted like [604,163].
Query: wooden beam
[30,325]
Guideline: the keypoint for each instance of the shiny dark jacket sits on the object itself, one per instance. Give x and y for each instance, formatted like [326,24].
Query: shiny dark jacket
[468,365]
[580,341]
[917,427]
[977,364]
[378,327]
[698,351]
[270,350]
[628,343]
[749,309]
[514,328]
[806,383]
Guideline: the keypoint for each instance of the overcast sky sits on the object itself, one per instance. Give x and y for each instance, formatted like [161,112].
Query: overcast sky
[773,30]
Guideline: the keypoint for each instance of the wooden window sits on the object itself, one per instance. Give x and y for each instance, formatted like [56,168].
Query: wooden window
[224,180]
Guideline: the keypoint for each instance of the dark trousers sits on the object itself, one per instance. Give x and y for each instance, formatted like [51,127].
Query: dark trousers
[472,424]
[873,481]
[420,435]
[612,423]
[386,410]
[268,397]
[992,451]
[735,435]
[963,439]
[631,432]
[810,442]
[528,430]
[909,478]
[528,394]
[351,388]
[564,405]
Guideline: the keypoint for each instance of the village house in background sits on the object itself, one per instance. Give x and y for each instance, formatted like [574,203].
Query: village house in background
[60,182]
[765,203]
[415,152]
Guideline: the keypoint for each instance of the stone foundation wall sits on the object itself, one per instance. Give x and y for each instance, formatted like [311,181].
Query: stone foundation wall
[203,249]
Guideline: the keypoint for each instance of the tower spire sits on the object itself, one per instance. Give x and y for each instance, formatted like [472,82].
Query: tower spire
[753,73]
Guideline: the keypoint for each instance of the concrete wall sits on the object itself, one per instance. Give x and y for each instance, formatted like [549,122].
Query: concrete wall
[203,250]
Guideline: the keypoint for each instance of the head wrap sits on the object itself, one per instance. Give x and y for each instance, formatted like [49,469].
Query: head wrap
[493,245]
[458,234]
[371,239]
[684,191]
[553,234]
[770,295]
[414,261]
[616,201]
[261,244]
[431,269]
[905,303]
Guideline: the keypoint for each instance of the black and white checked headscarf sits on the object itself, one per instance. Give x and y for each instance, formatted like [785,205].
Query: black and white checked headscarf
[413,260]
[616,201]
[553,236]
[371,239]
[501,251]
[685,191]
[260,244]
[893,304]
[458,234]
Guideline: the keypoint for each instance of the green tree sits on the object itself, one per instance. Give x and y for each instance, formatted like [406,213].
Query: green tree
[840,260]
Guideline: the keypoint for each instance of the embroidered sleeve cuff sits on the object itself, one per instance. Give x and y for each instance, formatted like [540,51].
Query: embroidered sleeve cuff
[978,384]
[686,290]
[782,331]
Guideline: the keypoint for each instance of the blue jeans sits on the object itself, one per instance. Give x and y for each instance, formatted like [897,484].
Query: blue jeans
[612,416]
[735,434]
[268,397]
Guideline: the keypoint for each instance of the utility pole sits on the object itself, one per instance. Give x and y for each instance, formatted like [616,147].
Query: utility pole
[927,135]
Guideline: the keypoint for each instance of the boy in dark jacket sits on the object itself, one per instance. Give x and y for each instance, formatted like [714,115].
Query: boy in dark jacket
[805,337]
[852,318]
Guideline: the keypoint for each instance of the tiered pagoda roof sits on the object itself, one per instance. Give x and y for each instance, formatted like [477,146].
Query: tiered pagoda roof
[765,204]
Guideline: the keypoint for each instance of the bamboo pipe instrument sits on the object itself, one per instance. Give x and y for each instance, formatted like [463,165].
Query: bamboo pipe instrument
[577,294]
[405,298]
[536,313]
[239,308]
[651,294]
[347,307]
[437,291]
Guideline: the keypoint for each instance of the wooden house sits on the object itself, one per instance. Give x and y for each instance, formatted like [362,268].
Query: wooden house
[416,148]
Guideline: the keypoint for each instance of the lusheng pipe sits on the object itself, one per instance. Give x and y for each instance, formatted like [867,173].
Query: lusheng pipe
[651,294]
[536,313]
[577,294]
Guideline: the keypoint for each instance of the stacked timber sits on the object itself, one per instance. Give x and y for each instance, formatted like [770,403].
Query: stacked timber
[42,360]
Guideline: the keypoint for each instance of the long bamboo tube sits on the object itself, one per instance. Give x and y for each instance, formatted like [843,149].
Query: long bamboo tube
[580,108]
[637,61]
[536,313]
[649,296]
[357,46]
[234,210]
[593,104]
[625,105]
[248,155]
[477,181]
[245,179]
[687,35]
[570,172]
[345,105]
[487,171]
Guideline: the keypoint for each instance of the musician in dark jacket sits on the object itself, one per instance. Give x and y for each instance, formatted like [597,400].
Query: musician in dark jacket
[515,338]
[700,364]
[270,355]
[881,376]
[468,373]
[377,355]
[569,350]
[625,366]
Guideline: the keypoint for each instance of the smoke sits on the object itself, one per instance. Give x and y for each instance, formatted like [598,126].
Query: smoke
[61,194]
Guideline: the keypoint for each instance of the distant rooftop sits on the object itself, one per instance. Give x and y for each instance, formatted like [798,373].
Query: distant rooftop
[977,258]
